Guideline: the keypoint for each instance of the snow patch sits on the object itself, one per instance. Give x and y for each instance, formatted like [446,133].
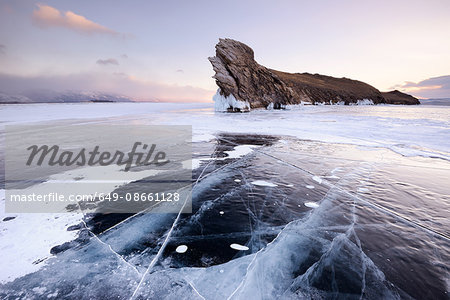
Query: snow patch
[181,249]
[196,162]
[239,247]
[311,204]
[237,152]
[263,183]
[240,151]
[28,238]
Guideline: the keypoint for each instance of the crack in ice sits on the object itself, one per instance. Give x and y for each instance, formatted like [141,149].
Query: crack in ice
[166,240]
[193,287]
[120,257]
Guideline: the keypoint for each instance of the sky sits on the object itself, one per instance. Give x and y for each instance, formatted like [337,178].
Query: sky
[157,50]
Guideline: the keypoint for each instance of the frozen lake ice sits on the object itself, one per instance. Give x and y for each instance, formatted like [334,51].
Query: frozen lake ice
[319,202]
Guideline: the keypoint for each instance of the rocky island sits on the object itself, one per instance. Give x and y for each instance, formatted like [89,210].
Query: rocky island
[244,84]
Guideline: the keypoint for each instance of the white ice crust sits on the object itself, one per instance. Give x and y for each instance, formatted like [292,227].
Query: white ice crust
[222,103]
[181,249]
[387,126]
[264,183]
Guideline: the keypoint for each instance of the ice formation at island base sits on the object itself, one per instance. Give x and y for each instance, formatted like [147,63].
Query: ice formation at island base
[230,103]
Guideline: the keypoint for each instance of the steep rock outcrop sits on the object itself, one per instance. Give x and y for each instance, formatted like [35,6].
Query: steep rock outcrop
[239,75]
[244,84]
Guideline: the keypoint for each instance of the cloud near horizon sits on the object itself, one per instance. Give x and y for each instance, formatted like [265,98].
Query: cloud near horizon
[2,49]
[116,83]
[108,61]
[46,16]
[434,87]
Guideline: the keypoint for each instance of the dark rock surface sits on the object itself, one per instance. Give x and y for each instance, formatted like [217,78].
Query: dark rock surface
[239,75]
[397,97]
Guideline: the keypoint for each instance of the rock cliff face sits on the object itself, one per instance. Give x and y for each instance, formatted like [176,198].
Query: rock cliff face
[244,84]
[239,75]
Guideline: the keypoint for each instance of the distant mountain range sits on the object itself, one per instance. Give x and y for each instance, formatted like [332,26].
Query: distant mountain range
[440,101]
[48,96]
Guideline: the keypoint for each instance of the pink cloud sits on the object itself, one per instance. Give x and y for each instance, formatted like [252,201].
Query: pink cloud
[434,87]
[47,16]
